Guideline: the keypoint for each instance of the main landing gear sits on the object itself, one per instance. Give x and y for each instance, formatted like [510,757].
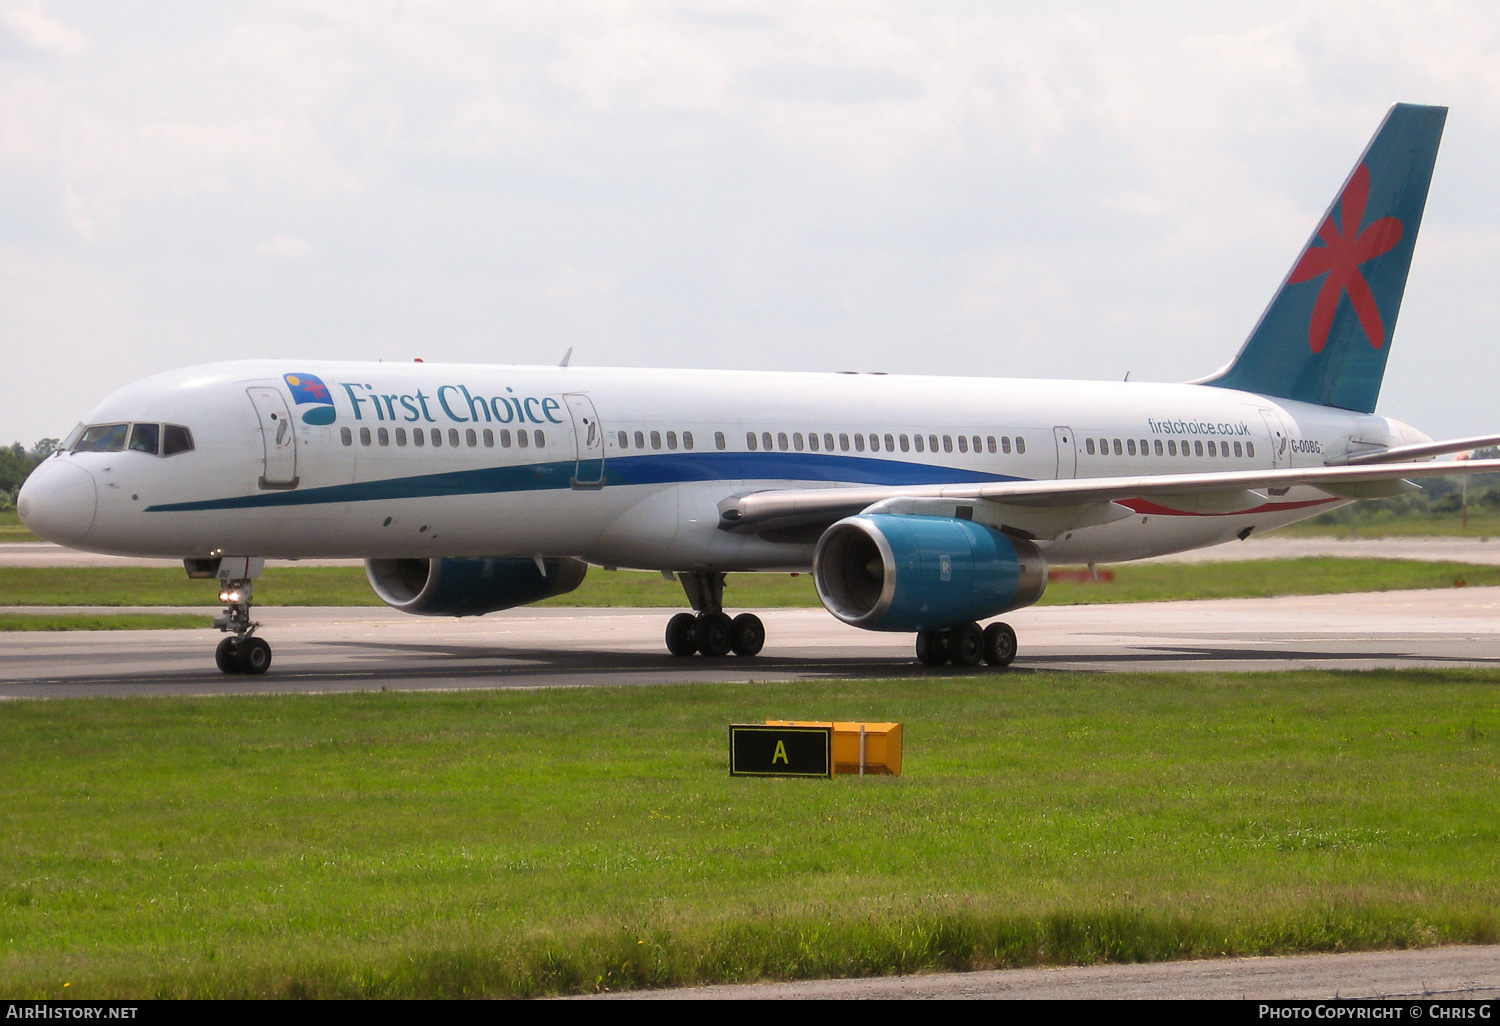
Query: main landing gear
[242,653]
[709,629]
[967,645]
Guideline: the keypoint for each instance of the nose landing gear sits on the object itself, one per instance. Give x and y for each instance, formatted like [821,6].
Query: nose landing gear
[243,652]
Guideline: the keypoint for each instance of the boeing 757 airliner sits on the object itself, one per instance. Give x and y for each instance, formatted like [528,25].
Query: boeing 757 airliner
[921,504]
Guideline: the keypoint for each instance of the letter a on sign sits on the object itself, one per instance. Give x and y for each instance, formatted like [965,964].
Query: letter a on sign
[762,750]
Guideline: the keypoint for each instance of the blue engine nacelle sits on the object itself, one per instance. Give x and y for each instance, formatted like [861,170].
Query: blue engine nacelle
[469,587]
[892,572]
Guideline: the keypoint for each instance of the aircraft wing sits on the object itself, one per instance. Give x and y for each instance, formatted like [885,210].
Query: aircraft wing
[1079,502]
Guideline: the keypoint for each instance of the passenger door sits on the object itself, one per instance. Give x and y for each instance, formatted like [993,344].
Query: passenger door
[279,435]
[588,437]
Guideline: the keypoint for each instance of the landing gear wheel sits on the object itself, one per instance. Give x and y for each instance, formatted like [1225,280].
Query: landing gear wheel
[715,634]
[748,635]
[999,644]
[682,638]
[966,645]
[254,656]
[227,655]
[932,647]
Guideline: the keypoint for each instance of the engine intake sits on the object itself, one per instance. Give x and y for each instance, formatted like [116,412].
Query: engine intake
[894,572]
[469,587]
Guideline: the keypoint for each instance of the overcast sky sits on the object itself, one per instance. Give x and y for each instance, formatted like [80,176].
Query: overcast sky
[1027,189]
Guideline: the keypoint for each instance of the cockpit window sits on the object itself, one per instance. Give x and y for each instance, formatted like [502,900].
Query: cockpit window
[145,438]
[176,439]
[165,439]
[102,438]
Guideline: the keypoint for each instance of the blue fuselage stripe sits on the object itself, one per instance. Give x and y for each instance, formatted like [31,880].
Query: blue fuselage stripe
[655,469]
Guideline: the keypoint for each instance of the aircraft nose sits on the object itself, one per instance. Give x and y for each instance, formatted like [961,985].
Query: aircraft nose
[57,502]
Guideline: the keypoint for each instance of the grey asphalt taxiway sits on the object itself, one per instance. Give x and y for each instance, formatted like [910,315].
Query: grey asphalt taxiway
[351,649]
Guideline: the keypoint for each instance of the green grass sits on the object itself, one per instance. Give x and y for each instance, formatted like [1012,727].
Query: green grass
[91,622]
[513,843]
[1483,523]
[11,529]
[346,586]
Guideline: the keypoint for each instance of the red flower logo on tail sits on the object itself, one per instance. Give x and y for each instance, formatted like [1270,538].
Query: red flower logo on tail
[1344,249]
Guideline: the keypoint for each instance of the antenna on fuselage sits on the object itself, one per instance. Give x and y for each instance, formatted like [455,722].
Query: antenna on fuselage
[566,357]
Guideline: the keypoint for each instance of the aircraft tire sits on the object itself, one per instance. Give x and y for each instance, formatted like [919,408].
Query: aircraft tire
[966,645]
[932,647]
[682,637]
[715,634]
[999,644]
[254,656]
[749,635]
[226,656]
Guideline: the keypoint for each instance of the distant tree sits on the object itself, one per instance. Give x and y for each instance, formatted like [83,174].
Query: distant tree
[44,448]
[16,464]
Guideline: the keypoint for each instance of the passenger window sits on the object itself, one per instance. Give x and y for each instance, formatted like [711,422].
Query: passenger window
[383,435]
[781,440]
[538,439]
[1088,445]
[1198,448]
[1119,449]
[1250,449]
[437,436]
[859,443]
[812,440]
[1211,449]
[1224,450]
[1238,451]
[656,439]
[947,443]
[843,442]
[471,437]
[828,440]
[1158,447]
[364,436]
[797,440]
[687,439]
[145,438]
[640,440]
[1130,446]
[917,441]
[521,440]
[504,437]
[890,443]
[1005,444]
[905,443]
[874,443]
[976,443]
[401,436]
[963,443]
[719,442]
[489,439]
[932,445]
[991,440]
[671,439]
[1171,447]
[347,436]
[750,440]
[624,440]
[453,437]
[1020,445]
[765,441]
[418,437]
[102,438]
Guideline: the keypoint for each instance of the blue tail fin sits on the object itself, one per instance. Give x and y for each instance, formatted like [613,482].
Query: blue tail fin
[1326,335]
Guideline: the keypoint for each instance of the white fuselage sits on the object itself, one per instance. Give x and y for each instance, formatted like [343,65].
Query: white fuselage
[627,467]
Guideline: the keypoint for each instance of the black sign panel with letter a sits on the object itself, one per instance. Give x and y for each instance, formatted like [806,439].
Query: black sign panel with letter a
[756,750]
